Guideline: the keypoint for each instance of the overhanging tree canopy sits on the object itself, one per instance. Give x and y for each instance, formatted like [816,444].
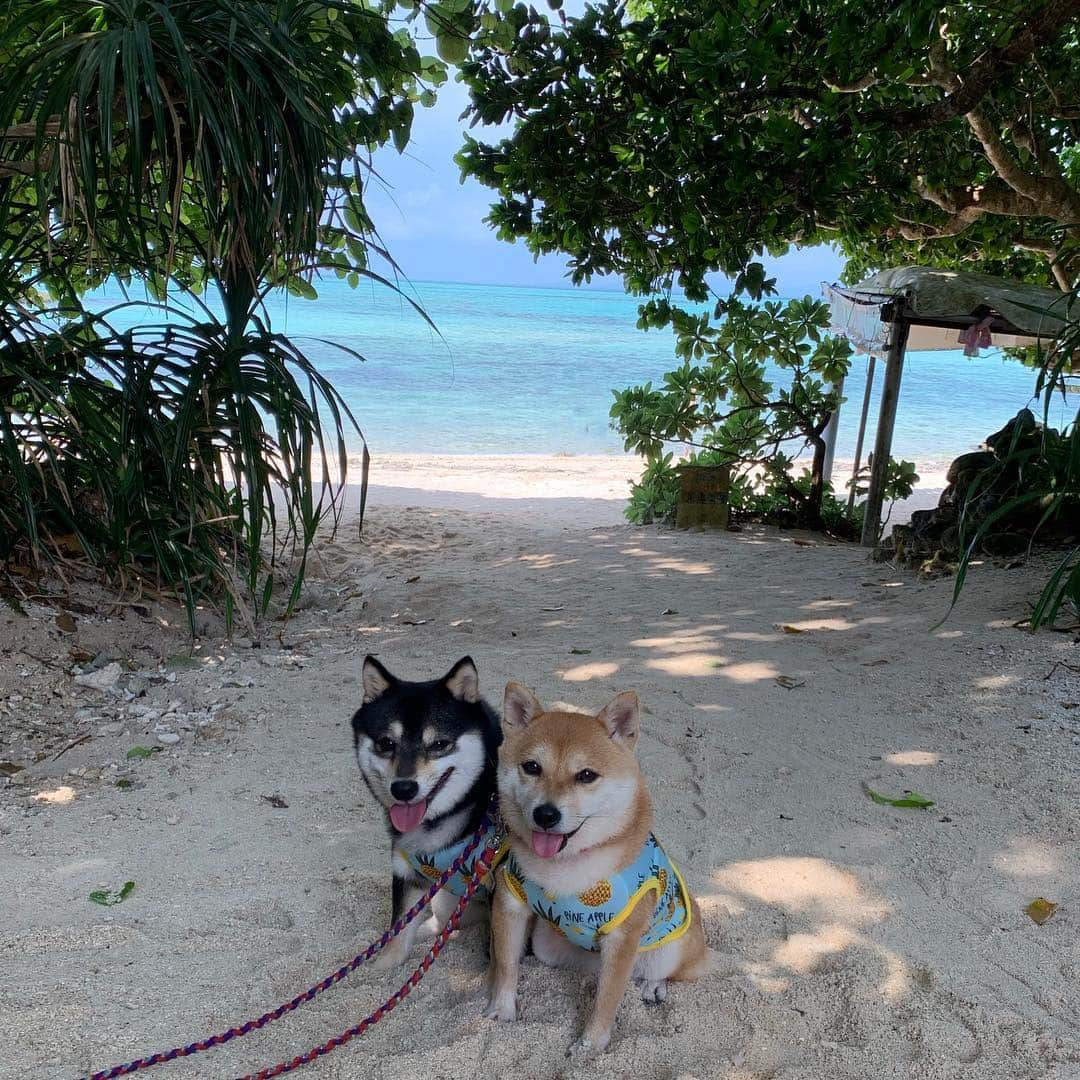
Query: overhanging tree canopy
[683,137]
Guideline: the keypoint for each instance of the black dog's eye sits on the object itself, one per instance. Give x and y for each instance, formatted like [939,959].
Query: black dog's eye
[587,776]
[385,746]
[531,768]
[440,747]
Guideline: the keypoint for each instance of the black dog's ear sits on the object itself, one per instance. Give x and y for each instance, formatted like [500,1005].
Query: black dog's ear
[377,680]
[462,680]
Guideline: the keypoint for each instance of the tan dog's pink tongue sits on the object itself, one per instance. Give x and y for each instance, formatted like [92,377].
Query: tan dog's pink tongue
[547,844]
[406,816]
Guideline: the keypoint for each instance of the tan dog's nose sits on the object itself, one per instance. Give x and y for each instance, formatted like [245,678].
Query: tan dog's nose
[547,815]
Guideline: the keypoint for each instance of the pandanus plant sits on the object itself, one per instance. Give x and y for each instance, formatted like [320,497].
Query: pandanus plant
[183,146]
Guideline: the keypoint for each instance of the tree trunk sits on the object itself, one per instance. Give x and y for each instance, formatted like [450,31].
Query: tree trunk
[812,507]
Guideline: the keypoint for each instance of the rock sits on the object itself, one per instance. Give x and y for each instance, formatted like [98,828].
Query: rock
[1020,428]
[137,686]
[970,464]
[102,659]
[920,519]
[1005,543]
[168,738]
[932,539]
[102,679]
[172,819]
[243,643]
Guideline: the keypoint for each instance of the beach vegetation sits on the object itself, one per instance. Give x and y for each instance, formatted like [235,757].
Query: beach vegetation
[1029,491]
[200,153]
[753,392]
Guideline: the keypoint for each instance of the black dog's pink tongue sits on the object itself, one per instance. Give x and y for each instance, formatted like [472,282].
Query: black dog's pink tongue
[547,844]
[406,816]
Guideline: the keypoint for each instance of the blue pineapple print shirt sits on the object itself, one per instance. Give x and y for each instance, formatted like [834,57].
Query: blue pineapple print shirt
[583,919]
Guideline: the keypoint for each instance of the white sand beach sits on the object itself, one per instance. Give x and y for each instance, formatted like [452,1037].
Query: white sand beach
[576,489]
[856,941]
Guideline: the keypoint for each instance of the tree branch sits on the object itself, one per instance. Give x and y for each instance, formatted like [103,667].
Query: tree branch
[965,206]
[1051,196]
[856,87]
[989,69]
[1052,252]
[1025,136]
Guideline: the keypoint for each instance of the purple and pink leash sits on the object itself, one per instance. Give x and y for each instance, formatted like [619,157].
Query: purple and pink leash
[480,869]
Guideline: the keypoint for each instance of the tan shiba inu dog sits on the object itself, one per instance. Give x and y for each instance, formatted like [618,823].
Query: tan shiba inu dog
[583,859]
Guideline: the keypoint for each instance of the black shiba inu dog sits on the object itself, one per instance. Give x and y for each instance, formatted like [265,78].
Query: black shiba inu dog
[428,753]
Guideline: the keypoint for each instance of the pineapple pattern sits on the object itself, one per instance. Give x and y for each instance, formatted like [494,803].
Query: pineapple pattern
[515,885]
[598,895]
[426,865]
[432,865]
[585,918]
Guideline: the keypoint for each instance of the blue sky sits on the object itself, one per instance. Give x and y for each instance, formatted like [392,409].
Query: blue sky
[434,226]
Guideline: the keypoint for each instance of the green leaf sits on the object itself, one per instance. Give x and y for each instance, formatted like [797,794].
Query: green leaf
[108,898]
[912,800]
[139,752]
[181,662]
[453,48]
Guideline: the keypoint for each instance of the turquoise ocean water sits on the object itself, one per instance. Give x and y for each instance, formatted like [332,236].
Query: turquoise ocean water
[521,370]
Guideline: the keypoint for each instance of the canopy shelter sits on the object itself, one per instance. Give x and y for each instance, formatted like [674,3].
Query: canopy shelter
[918,307]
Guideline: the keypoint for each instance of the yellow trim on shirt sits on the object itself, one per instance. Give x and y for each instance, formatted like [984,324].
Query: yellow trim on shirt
[679,930]
[652,883]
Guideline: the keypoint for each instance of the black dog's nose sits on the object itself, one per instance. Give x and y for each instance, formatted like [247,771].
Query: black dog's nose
[547,816]
[404,789]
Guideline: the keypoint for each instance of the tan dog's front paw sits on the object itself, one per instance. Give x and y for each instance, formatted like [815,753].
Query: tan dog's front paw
[589,1046]
[502,1007]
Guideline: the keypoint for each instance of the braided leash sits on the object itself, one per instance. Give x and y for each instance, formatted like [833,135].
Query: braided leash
[479,872]
[486,858]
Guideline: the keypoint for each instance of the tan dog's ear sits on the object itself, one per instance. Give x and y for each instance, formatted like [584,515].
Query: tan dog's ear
[462,681]
[520,708]
[377,680]
[621,718]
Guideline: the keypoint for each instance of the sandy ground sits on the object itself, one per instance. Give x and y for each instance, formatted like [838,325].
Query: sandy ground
[856,941]
[576,490]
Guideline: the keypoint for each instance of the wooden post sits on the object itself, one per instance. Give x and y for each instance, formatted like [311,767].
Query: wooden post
[871,364]
[829,434]
[890,395]
[703,496]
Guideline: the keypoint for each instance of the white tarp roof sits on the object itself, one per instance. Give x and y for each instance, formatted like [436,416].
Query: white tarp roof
[928,293]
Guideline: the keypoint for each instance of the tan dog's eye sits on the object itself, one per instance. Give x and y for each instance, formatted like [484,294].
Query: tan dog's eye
[531,768]
[384,747]
[440,747]
[587,776]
